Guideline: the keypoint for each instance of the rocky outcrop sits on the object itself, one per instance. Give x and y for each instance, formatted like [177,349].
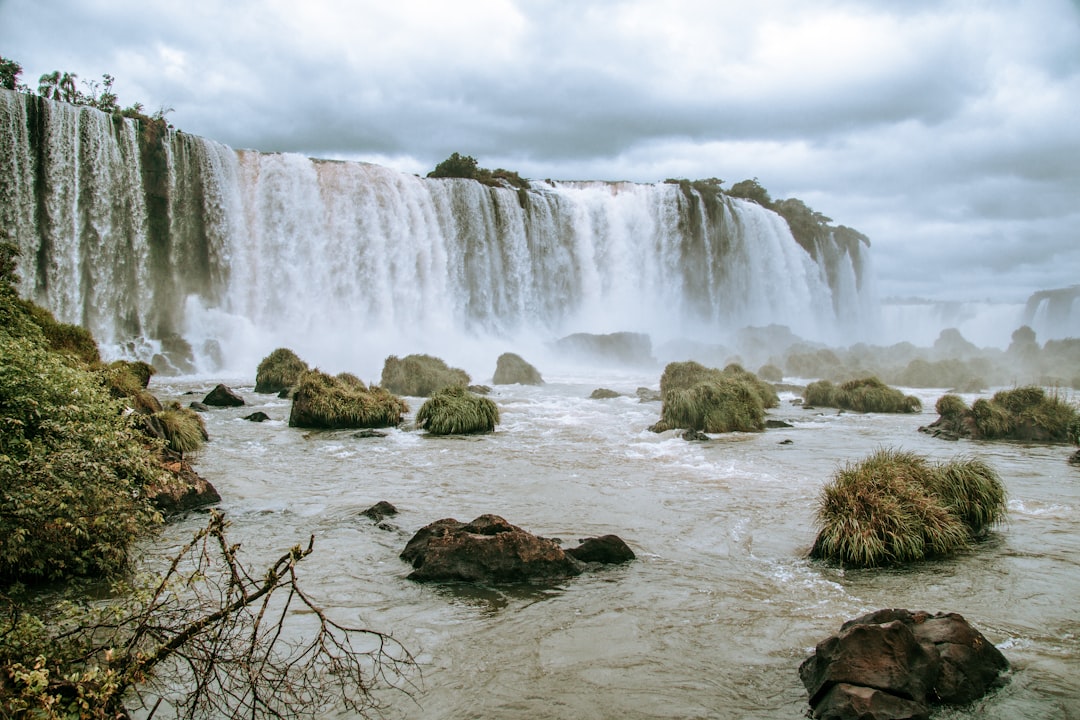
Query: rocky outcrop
[491,551]
[181,488]
[223,396]
[511,369]
[894,664]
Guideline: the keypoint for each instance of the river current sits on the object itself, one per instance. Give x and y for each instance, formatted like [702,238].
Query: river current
[721,605]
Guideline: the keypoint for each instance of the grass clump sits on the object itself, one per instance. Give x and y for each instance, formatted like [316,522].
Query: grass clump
[327,402]
[183,429]
[279,370]
[713,401]
[951,406]
[862,395]
[419,375]
[454,410]
[896,507]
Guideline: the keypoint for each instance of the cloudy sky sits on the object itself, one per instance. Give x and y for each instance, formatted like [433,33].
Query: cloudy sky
[948,132]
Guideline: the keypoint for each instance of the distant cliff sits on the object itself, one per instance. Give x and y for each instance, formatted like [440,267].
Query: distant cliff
[164,243]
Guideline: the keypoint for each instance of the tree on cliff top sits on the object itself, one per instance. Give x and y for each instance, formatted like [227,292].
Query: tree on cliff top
[9,74]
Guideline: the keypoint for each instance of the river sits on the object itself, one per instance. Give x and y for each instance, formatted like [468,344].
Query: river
[721,605]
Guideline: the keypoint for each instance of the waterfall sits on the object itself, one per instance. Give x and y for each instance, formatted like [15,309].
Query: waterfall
[169,245]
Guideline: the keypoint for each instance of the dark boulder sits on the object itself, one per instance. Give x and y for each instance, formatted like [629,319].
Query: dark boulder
[607,549]
[257,416]
[695,436]
[894,664]
[774,424]
[380,510]
[222,396]
[180,488]
[199,407]
[489,550]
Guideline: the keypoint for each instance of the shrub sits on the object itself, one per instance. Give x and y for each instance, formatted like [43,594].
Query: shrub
[72,341]
[991,420]
[419,375]
[72,469]
[453,410]
[512,369]
[279,370]
[895,507]
[322,401]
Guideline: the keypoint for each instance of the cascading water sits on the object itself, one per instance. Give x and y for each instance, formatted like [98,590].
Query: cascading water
[160,243]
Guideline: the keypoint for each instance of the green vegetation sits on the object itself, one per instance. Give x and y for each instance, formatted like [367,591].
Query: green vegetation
[896,507]
[454,410]
[323,401]
[73,466]
[862,395]
[279,370]
[182,428]
[713,401]
[419,375]
[1024,413]
[467,167]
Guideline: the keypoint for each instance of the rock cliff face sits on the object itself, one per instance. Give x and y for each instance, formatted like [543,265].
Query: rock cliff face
[159,241]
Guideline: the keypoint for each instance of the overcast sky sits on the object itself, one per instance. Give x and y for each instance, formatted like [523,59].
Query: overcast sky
[948,132]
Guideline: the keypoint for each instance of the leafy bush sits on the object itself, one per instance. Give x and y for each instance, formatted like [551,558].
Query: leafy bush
[279,370]
[322,401]
[896,507]
[454,410]
[419,375]
[72,469]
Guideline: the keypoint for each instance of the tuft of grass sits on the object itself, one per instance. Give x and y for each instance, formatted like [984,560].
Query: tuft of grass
[951,406]
[895,507]
[972,490]
[183,428]
[279,370]
[764,390]
[867,394]
[725,404]
[454,410]
[322,401]
[991,419]
[419,375]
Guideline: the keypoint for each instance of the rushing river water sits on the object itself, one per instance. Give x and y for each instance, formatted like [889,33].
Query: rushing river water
[721,605]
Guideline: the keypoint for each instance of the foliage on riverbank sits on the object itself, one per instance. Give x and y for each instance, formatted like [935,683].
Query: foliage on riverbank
[73,465]
[896,507]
